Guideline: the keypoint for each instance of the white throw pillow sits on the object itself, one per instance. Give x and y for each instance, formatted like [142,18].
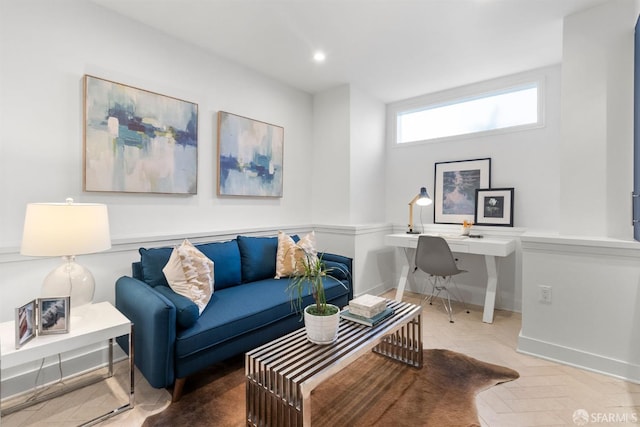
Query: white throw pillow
[291,255]
[190,274]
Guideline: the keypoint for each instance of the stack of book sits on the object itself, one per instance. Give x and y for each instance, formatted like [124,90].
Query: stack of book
[367,310]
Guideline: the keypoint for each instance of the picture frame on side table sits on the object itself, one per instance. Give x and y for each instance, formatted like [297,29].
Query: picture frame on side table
[250,157]
[138,141]
[54,315]
[494,207]
[455,188]
[26,328]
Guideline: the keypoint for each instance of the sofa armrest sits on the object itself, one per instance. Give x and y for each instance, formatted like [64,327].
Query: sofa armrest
[154,319]
[346,261]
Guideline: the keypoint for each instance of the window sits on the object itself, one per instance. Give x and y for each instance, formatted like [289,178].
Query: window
[516,107]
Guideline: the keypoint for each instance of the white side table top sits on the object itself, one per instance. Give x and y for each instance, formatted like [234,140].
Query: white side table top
[89,324]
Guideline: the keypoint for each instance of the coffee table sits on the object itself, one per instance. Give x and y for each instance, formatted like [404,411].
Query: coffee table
[281,374]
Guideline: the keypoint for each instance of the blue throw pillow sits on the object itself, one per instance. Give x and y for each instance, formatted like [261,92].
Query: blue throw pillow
[338,270]
[226,262]
[187,312]
[153,261]
[258,256]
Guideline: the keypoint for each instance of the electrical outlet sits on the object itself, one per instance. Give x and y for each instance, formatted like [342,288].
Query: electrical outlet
[545,294]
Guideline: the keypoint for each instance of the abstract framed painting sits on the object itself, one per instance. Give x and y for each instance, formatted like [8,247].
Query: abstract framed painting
[136,141]
[494,207]
[250,157]
[455,189]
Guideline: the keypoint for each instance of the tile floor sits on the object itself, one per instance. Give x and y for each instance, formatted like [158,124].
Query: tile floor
[546,394]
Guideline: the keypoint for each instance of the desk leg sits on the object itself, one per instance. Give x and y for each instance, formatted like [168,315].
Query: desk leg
[410,255]
[492,285]
[402,283]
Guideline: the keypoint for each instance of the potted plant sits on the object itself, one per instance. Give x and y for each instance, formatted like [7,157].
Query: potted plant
[320,319]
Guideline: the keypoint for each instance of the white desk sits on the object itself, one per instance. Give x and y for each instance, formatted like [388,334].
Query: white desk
[489,247]
[89,324]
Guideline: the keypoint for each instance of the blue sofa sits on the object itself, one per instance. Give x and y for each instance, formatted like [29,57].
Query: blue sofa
[248,308]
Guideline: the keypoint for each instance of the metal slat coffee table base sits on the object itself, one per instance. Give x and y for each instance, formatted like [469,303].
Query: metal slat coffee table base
[281,374]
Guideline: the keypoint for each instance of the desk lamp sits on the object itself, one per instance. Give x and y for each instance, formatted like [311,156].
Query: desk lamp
[421,199]
[66,229]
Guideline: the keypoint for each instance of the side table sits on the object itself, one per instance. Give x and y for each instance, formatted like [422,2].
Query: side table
[89,324]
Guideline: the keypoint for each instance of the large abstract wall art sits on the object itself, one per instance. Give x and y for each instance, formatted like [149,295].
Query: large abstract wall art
[138,141]
[250,157]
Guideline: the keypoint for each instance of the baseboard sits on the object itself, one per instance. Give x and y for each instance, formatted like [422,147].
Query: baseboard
[22,379]
[579,359]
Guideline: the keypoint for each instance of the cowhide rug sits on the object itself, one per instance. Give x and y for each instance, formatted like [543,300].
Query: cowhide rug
[373,391]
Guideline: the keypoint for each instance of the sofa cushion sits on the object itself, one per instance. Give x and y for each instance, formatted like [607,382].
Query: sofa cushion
[239,310]
[187,311]
[291,254]
[226,257]
[258,257]
[190,274]
[152,262]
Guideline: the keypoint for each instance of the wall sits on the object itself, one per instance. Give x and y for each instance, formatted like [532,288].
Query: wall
[592,263]
[597,121]
[526,160]
[46,49]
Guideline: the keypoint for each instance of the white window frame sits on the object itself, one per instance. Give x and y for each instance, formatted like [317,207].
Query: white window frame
[466,93]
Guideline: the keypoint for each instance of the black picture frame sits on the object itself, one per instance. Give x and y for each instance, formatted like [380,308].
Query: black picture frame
[455,186]
[26,328]
[54,315]
[494,206]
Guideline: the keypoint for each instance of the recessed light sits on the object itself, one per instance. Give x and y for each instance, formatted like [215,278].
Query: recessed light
[319,56]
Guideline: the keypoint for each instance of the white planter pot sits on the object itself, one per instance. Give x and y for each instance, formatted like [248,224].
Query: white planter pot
[321,329]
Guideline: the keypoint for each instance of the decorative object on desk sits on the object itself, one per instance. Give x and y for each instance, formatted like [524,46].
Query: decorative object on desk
[421,199]
[66,229]
[250,157]
[494,206]
[138,141]
[399,397]
[53,315]
[320,319]
[455,189]
[348,314]
[26,327]
[466,227]
[367,305]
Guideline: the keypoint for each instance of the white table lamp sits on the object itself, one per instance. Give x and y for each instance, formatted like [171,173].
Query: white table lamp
[421,199]
[66,230]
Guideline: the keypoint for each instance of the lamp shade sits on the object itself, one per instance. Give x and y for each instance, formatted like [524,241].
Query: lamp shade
[423,198]
[60,229]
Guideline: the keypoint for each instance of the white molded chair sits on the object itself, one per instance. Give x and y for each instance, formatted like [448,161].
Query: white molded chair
[434,257]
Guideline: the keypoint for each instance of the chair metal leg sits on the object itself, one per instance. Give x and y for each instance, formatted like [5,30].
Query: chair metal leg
[439,284]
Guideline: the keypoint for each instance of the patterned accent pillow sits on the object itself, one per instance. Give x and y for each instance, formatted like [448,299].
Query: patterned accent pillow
[290,255]
[190,274]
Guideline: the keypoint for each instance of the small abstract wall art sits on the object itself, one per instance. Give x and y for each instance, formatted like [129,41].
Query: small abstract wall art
[250,157]
[138,141]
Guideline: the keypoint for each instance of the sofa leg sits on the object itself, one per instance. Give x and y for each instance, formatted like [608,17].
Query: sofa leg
[177,389]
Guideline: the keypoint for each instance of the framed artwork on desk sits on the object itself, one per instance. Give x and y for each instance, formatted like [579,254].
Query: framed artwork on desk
[25,323]
[53,315]
[456,183]
[494,207]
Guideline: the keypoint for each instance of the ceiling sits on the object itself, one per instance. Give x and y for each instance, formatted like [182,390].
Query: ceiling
[390,49]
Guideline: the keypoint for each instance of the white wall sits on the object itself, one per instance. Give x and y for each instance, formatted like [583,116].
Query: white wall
[526,160]
[48,46]
[592,264]
[597,121]
[46,49]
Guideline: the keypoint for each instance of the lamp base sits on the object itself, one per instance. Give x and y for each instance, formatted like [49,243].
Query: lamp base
[71,279]
[413,232]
